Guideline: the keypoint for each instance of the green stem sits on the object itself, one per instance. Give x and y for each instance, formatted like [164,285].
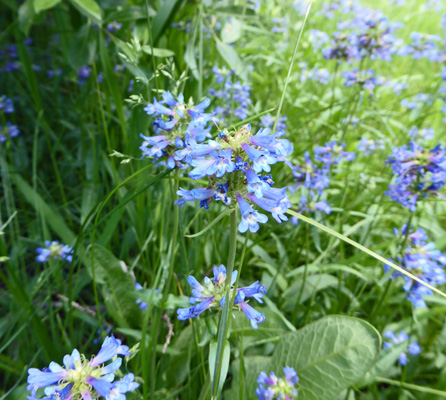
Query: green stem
[412,387]
[224,318]
[290,68]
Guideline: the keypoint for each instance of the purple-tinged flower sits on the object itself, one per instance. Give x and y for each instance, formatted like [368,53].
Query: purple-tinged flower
[397,339]
[273,388]
[54,250]
[250,217]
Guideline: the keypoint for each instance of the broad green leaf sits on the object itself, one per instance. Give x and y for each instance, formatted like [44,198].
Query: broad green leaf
[89,8]
[51,216]
[83,47]
[252,366]
[116,285]
[163,17]
[365,250]
[129,13]
[40,5]
[313,283]
[235,10]
[26,15]
[191,61]
[157,52]
[329,355]
[232,59]
[273,327]
[232,30]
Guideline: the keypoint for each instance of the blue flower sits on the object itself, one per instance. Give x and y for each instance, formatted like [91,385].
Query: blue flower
[109,349]
[250,217]
[54,250]
[419,174]
[369,146]
[201,194]
[121,387]
[8,131]
[255,184]
[252,314]
[273,388]
[6,105]
[261,159]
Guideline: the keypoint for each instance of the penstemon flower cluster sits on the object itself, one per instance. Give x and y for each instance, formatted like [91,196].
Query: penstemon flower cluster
[368,35]
[82,379]
[178,126]
[211,294]
[273,388]
[419,174]
[312,177]
[9,130]
[423,260]
[234,164]
[54,250]
[234,97]
[396,339]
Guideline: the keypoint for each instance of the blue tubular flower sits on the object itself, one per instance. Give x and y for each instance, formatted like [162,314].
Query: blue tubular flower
[423,260]
[250,217]
[222,194]
[261,159]
[271,143]
[255,290]
[273,388]
[402,337]
[252,314]
[255,184]
[82,379]
[201,194]
[54,250]
[110,349]
[276,208]
[121,387]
